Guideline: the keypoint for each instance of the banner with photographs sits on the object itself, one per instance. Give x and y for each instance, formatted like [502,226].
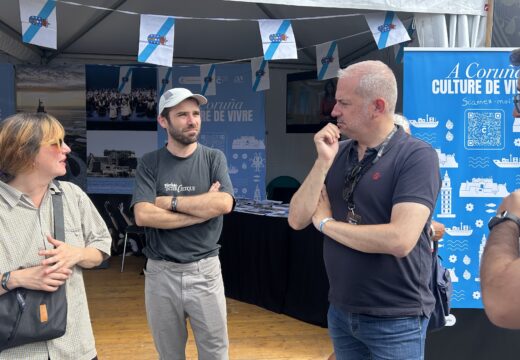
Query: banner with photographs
[121,113]
[59,91]
[460,101]
[121,97]
[112,159]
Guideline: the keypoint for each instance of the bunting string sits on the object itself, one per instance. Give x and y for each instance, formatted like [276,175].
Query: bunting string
[215,19]
[156,38]
[73,3]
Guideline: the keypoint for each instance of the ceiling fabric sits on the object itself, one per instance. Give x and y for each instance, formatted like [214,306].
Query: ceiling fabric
[467,7]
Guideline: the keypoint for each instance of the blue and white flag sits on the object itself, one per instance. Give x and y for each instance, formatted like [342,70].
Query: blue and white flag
[260,74]
[125,80]
[278,39]
[164,79]
[156,40]
[327,62]
[207,79]
[387,29]
[39,22]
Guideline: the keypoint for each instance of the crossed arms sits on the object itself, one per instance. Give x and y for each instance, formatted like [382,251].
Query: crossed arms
[190,209]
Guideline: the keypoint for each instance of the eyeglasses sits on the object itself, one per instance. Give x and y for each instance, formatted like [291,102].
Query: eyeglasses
[516,101]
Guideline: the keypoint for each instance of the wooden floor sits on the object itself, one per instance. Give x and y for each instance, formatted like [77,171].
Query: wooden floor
[116,302]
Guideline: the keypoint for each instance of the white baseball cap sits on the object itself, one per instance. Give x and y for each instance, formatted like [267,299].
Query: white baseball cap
[175,96]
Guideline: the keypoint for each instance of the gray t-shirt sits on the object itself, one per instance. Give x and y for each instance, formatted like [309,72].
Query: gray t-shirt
[161,173]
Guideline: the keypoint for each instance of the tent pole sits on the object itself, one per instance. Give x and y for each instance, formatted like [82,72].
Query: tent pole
[489,23]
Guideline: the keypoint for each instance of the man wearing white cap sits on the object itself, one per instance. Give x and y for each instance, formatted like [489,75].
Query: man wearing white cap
[181,192]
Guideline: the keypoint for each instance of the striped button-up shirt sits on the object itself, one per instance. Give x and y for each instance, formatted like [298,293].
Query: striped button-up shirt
[23,230]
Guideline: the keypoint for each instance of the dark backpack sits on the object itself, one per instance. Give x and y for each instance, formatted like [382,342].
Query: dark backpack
[442,288]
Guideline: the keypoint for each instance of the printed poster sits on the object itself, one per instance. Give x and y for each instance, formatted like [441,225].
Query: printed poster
[59,91]
[461,102]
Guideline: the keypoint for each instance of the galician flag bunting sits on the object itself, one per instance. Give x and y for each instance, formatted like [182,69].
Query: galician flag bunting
[156,40]
[164,79]
[278,39]
[260,74]
[327,62]
[39,22]
[207,80]
[125,80]
[387,29]
[399,49]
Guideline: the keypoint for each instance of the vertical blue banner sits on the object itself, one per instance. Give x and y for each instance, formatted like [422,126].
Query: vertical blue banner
[461,103]
[7,101]
[232,121]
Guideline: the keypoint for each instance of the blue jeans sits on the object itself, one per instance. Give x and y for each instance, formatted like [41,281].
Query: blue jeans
[357,336]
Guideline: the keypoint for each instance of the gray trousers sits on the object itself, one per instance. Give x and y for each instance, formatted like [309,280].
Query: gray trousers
[177,292]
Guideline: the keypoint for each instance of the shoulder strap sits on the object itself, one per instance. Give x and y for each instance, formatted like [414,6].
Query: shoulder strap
[435,259]
[435,248]
[57,207]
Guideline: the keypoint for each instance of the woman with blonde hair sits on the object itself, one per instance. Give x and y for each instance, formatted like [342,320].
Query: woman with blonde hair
[33,154]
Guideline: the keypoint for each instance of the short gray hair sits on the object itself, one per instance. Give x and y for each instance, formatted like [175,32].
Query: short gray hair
[376,80]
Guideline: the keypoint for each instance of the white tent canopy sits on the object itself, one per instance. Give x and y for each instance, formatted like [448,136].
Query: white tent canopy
[207,31]
[467,7]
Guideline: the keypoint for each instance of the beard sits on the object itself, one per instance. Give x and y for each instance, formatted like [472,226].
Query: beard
[179,135]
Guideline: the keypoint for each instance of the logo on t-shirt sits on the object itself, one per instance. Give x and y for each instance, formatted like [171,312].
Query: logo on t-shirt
[376,176]
[178,188]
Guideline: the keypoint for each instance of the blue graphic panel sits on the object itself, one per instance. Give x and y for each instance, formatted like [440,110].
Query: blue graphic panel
[232,121]
[6,91]
[461,103]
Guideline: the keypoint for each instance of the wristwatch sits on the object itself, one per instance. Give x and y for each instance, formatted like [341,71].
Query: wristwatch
[5,279]
[506,215]
[174,203]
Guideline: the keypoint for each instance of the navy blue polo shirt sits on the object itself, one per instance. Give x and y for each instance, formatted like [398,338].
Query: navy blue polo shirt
[382,284]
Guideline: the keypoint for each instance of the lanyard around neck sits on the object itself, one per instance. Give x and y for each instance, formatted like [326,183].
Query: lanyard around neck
[357,172]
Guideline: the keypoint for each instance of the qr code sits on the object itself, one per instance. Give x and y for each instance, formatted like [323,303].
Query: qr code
[484,129]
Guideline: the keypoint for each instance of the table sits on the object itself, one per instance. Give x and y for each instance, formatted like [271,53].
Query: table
[266,263]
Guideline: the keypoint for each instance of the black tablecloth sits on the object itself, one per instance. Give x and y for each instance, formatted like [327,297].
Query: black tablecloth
[266,263]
